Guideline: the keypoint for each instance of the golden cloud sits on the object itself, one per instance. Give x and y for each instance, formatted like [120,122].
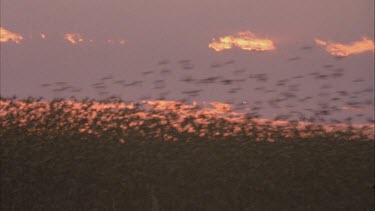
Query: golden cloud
[7,36]
[343,50]
[243,40]
[74,38]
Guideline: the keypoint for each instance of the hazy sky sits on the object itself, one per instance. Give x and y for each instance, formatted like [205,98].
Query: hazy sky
[174,30]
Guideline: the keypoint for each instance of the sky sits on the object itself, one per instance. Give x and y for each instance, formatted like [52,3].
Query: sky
[80,42]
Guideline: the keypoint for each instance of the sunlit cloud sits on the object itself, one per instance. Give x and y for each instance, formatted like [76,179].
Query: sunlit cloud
[7,36]
[74,38]
[243,40]
[343,50]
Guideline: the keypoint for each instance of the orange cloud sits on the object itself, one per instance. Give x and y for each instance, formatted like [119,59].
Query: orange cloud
[243,40]
[74,38]
[6,36]
[43,36]
[343,50]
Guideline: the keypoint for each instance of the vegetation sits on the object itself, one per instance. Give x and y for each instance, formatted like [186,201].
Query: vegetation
[90,155]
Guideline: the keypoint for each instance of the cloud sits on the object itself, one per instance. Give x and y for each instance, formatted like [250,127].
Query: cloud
[7,36]
[243,40]
[343,50]
[73,38]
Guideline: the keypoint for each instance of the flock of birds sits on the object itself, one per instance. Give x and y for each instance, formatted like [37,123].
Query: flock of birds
[287,93]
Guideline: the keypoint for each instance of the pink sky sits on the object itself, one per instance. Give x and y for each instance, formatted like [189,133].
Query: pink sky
[176,30]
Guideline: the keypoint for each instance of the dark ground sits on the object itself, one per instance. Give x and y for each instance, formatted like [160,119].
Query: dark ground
[65,174]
